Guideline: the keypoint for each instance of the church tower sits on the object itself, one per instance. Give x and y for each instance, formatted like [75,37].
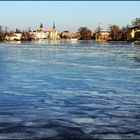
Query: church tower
[41,25]
[54,25]
[53,33]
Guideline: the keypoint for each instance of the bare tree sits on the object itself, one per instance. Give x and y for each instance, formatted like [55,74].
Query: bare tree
[85,33]
[115,32]
[136,22]
[98,31]
[26,36]
[1,29]
[125,31]
[6,30]
[18,31]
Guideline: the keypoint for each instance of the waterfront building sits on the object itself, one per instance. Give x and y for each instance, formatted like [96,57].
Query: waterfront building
[69,35]
[133,33]
[13,36]
[53,33]
[103,35]
[65,35]
[75,35]
[40,33]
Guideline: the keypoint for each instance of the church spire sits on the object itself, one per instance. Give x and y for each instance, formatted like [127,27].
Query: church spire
[54,25]
[41,25]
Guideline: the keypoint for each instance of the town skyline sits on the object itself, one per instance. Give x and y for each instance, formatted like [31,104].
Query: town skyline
[67,15]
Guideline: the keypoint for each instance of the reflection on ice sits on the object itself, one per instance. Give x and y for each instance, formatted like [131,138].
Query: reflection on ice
[83,120]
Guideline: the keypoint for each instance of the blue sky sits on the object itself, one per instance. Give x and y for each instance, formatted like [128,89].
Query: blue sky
[68,15]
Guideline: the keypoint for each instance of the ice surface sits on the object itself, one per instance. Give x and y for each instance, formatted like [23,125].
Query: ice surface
[63,90]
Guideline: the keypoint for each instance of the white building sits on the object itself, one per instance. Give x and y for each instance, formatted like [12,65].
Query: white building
[103,35]
[134,33]
[40,33]
[13,36]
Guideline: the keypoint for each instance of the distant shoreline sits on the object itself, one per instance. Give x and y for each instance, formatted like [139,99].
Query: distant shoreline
[100,41]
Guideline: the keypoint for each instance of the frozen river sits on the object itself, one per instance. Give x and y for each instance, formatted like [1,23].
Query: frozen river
[69,90]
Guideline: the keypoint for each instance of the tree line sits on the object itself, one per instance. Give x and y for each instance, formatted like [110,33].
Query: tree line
[116,33]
